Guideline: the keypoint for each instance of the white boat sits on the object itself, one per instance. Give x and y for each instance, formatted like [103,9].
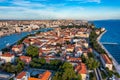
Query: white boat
[8,44]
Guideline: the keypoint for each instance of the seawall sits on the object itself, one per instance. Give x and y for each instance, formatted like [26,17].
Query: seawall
[115,63]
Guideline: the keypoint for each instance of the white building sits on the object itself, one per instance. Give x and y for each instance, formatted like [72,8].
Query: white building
[7,57]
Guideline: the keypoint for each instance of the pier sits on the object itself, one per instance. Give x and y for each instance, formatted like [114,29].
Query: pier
[109,43]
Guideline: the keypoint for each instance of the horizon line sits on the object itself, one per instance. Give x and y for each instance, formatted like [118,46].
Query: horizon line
[53,19]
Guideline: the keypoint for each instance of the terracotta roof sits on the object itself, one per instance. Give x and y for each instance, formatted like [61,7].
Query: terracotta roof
[17,46]
[81,68]
[106,59]
[31,78]
[25,57]
[70,46]
[20,75]
[7,55]
[26,40]
[45,75]
[72,59]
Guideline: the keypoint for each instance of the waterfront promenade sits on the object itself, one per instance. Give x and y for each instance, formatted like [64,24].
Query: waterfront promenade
[115,63]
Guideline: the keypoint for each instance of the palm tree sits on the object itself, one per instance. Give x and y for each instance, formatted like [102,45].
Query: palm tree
[92,63]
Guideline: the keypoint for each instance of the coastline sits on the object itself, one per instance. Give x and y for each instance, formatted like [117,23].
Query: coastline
[7,34]
[21,36]
[115,63]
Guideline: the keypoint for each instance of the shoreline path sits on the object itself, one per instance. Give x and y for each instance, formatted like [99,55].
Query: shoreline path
[115,63]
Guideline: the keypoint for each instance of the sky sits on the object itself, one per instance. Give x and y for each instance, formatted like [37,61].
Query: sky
[60,9]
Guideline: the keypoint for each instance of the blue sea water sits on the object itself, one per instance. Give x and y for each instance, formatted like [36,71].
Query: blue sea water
[13,38]
[112,35]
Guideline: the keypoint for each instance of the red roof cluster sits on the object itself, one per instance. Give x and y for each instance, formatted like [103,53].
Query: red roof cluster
[81,68]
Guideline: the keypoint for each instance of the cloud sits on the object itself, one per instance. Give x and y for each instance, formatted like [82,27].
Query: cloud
[2,0]
[85,1]
[97,1]
[11,8]
[26,3]
[34,9]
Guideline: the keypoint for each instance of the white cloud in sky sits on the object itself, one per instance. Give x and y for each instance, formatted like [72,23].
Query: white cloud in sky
[51,13]
[86,1]
[2,0]
[24,9]
[26,3]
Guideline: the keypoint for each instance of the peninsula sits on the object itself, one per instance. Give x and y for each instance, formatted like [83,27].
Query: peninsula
[69,51]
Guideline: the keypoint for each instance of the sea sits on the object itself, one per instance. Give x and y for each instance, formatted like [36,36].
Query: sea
[13,38]
[111,36]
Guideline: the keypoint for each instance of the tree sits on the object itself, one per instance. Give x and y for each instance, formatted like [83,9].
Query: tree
[32,51]
[92,76]
[18,68]
[55,62]
[92,63]
[42,61]
[68,72]
[67,65]
[57,76]
[65,72]
[79,77]
[8,67]
[83,58]
[91,55]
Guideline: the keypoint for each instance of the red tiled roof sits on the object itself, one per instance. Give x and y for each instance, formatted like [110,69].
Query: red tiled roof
[106,59]
[20,75]
[7,55]
[25,57]
[81,68]
[72,59]
[45,75]
[17,46]
[31,78]
[26,40]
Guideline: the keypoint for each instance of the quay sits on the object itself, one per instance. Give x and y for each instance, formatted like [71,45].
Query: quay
[115,63]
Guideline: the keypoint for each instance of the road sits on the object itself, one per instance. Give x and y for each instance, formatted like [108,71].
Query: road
[97,71]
